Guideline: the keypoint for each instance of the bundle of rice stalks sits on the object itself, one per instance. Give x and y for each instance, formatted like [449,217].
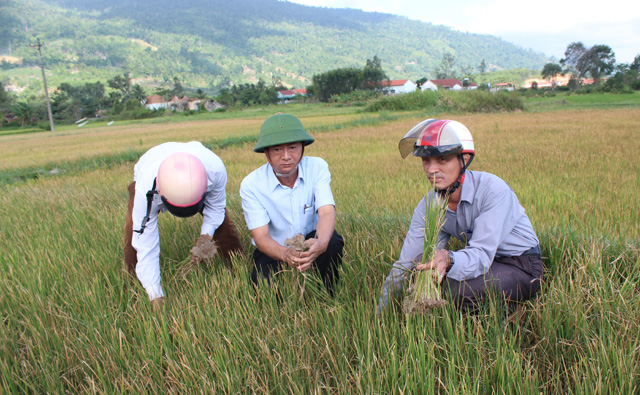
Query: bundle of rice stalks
[424,292]
[297,242]
[303,282]
[203,252]
[205,248]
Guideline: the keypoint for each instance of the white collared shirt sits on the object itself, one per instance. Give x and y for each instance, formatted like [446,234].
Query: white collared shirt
[287,211]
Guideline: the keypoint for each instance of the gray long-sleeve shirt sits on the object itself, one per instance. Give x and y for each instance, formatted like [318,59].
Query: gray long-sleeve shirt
[489,219]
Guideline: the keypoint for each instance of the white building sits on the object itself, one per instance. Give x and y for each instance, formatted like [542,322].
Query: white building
[398,86]
[155,102]
[450,83]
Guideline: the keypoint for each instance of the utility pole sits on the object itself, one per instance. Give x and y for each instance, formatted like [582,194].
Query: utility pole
[44,78]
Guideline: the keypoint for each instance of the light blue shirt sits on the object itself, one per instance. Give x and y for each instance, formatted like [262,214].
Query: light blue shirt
[287,211]
[489,219]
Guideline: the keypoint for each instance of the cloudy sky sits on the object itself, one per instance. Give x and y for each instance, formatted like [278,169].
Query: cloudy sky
[546,26]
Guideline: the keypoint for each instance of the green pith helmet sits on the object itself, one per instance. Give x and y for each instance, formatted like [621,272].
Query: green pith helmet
[282,129]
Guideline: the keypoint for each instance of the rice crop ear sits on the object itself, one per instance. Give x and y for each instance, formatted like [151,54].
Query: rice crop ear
[424,291]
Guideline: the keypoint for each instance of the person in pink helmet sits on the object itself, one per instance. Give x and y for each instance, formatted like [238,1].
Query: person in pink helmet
[183,179]
[502,252]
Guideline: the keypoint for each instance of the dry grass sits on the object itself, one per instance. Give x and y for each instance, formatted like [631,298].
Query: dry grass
[71,322]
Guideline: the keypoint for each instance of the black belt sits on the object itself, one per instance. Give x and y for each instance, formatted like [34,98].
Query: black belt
[533,251]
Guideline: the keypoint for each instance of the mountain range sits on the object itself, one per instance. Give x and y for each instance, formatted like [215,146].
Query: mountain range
[212,44]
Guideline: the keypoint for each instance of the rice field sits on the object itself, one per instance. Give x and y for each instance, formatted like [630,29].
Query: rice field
[72,321]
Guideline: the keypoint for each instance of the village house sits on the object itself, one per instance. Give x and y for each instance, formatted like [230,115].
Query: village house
[300,91]
[395,87]
[212,105]
[503,86]
[155,102]
[559,80]
[291,94]
[449,83]
[286,95]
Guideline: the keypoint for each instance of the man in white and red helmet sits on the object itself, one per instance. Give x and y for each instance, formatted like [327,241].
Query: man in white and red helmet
[502,251]
[183,179]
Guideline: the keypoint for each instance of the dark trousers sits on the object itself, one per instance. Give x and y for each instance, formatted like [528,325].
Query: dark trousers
[514,278]
[327,263]
[226,236]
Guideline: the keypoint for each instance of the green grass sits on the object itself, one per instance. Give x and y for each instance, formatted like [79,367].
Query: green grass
[72,321]
[568,101]
[12,130]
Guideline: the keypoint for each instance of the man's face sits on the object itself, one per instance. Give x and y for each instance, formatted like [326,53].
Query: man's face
[284,157]
[442,170]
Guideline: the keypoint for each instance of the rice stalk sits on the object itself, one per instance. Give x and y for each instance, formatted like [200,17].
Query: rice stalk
[424,292]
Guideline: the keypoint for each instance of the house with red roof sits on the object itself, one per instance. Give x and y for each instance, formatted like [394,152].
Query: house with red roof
[447,83]
[286,94]
[394,87]
[290,94]
[155,102]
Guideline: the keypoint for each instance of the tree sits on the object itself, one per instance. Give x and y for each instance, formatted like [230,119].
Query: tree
[596,61]
[600,61]
[178,89]
[81,101]
[483,67]
[138,93]
[6,100]
[373,75]
[550,71]
[336,82]
[573,60]
[122,84]
[624,79]
[445,69]
[635,65]
[24,112]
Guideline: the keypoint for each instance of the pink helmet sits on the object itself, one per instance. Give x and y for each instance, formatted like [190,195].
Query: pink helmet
[182,184]
[437,137]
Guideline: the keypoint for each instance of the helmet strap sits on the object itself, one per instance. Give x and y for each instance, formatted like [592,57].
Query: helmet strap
[445,193]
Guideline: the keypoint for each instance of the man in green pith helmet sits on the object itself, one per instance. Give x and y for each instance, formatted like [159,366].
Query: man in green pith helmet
[291,195]
[502,252]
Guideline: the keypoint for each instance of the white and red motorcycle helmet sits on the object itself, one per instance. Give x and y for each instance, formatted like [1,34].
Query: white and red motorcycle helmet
[439,137]
[182,184]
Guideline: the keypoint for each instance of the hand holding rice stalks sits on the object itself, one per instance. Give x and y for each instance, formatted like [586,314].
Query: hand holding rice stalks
[424,292]
[203,252]
[297,242]
[205,249]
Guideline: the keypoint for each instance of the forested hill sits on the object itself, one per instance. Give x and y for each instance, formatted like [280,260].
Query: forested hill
[211,44]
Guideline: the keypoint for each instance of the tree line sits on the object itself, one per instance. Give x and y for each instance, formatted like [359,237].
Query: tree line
[596,62]
[126,100]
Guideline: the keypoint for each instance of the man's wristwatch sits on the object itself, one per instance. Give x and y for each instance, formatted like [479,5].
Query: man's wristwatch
[452,259]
